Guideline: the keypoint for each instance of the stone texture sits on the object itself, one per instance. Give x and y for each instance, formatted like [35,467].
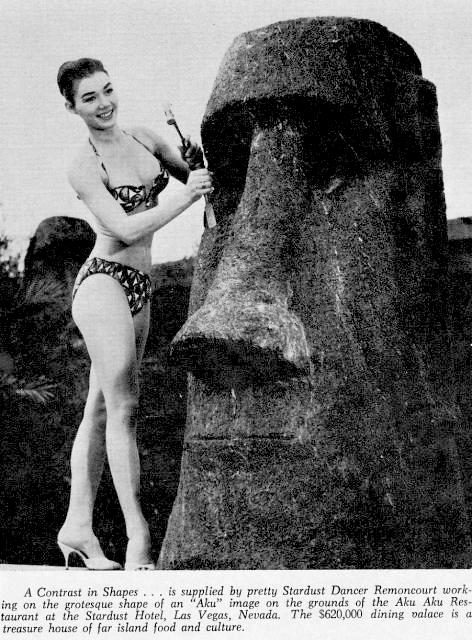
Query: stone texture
[320,427]
[57,249]
[460,328]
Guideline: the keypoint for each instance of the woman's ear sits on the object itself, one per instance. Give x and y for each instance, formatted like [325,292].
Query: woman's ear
[69,106]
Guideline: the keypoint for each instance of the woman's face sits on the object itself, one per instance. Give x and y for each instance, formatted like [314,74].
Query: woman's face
[95,101]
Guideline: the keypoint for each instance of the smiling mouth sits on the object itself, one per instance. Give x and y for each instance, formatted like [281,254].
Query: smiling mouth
[107,115]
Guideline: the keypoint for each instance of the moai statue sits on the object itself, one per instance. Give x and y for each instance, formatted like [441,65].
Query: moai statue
[460,328]
[320,433]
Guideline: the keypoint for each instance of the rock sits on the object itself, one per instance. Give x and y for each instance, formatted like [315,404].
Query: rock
[58,248]
[320,426]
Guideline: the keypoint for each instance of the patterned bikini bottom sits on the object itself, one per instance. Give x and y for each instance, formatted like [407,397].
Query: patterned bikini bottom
[136,284]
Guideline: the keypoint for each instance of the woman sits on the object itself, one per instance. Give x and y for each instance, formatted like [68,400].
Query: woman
[118,175]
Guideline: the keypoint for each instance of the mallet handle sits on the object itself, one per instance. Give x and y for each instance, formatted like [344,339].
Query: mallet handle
[210,220]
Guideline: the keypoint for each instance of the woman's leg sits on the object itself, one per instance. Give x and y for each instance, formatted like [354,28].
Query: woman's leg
[139,544]
[87,459]
[102,314]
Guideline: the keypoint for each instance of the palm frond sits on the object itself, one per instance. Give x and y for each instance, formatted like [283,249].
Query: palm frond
[36,297]
[43,291]
[39,391]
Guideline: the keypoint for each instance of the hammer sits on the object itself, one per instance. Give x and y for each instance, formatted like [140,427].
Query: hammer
[209,215]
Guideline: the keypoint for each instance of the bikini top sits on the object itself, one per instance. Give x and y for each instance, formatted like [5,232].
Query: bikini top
[129,196]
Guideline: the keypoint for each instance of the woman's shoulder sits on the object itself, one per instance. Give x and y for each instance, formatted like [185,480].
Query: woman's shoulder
[150,138]
[84,168]
[167,154]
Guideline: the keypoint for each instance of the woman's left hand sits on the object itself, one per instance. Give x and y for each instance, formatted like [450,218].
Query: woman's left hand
[192,154]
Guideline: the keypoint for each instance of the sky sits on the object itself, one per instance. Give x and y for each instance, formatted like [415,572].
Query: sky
[162,50]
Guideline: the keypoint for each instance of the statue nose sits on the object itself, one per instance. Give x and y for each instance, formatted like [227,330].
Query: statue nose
[251,334]
[245,324]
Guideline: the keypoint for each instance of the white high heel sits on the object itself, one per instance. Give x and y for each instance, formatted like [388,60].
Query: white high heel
[99,563]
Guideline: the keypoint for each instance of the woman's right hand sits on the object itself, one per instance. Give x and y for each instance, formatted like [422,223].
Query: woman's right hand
[199,183]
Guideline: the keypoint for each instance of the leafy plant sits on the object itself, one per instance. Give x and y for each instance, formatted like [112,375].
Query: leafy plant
[33,299]
[39,391]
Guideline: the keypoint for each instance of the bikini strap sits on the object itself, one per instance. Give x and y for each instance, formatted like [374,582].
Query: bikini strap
[102,164]
[100,158]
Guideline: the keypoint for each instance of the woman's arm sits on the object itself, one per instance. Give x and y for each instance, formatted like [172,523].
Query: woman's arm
[85,179]
[171,156]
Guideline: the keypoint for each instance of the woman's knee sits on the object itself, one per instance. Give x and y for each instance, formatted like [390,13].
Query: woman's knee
[123,407]
[121,387]
[95,411]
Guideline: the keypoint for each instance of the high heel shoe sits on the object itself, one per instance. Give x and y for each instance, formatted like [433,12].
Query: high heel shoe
[99,563]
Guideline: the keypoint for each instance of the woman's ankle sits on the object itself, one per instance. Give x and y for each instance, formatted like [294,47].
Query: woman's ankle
[138,530]
[139,546]
[80,537]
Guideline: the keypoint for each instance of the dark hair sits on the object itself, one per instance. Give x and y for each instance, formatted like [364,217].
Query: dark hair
[76,70]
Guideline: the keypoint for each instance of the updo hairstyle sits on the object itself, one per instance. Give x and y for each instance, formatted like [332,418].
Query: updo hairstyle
[73,70]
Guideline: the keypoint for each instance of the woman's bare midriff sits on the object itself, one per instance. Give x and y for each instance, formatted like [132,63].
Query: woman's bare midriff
[136,255]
